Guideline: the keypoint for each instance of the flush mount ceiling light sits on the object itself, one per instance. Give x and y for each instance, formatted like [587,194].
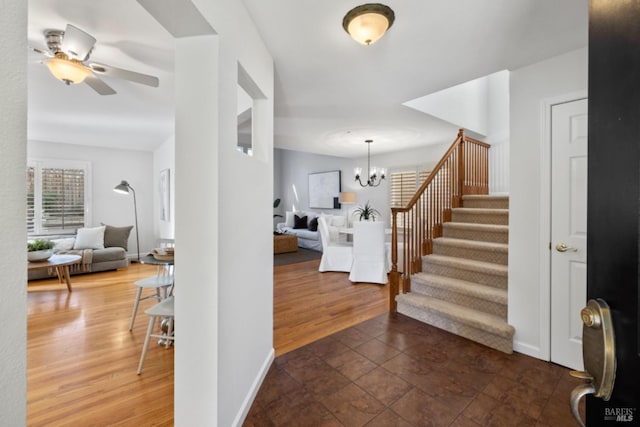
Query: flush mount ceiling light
[70,71]
[368,22]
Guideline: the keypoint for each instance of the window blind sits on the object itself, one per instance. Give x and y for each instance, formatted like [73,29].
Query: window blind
[55,199]
[403,187]
[31,200]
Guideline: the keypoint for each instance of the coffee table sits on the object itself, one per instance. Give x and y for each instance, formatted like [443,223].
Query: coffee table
[283,243]
[61,263]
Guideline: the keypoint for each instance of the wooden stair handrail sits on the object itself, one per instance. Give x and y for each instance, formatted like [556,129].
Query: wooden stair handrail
[463,169]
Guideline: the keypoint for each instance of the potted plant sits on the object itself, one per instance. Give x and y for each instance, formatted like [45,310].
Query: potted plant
[276,203]
[366,212]
[39,250]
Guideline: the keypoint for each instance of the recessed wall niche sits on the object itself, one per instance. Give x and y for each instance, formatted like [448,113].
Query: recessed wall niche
[248,94]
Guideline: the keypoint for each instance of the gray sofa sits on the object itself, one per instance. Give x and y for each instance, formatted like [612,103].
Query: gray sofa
[112,257]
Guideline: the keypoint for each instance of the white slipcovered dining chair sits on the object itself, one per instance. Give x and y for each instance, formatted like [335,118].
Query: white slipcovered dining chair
[336,256]
[370,261]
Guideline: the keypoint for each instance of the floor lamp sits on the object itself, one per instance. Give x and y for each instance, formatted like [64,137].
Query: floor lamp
[125,188]
[347,198]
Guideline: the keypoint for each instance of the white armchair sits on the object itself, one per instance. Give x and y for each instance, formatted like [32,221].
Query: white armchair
[336,256]
[370,262]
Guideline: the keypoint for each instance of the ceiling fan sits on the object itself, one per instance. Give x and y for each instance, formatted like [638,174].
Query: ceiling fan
[68,53]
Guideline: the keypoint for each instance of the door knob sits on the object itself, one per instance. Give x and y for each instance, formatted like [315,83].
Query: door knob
[563,247]
[598,353]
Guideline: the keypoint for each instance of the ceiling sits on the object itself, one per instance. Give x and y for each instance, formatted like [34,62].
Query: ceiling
[331,93]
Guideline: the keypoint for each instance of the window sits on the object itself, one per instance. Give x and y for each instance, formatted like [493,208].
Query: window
[57,196]
[403,187]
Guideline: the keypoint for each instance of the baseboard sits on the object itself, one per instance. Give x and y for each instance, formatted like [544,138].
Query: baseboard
[248,401]
[527,349]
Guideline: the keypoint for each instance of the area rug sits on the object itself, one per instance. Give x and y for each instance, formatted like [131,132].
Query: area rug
[300,255]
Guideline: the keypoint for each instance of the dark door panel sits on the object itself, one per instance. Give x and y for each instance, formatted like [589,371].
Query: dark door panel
[613,223]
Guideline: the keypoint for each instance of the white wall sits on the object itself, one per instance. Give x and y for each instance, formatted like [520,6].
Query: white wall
[223,211]
[481,107]
[164,158]
[13,142]
[498,131]
[293,167]
[464,105]
[528,287]
[108,168]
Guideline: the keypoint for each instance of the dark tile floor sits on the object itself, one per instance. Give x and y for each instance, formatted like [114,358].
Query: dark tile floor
[395,371]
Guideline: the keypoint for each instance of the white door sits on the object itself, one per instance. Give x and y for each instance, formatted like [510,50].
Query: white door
[568,230]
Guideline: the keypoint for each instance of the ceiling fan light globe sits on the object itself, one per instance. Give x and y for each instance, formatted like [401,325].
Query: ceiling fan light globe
[68,70]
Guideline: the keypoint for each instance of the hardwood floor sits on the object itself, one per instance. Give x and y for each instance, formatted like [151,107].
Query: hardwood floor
[82,359]
[309,305]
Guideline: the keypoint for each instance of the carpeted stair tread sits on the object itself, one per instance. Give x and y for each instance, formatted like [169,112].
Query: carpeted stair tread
[471,289]
[480,215]
[472,249]
[484,197]
[490,201]
[474,231]
[467,264]
[473,318]
[473,244]
[496,228]
[488,211]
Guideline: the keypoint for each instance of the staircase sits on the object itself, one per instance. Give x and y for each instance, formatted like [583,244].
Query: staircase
[462,287]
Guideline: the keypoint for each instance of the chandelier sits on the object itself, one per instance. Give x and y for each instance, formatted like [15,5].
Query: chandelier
[373,180]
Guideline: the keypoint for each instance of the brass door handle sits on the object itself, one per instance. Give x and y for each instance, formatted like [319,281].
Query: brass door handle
[563,247]
[577,394]
[598,353]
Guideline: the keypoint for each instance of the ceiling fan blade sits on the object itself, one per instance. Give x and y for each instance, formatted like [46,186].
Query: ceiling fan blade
[42,52]
[77,43]
[119,73]
[99,86]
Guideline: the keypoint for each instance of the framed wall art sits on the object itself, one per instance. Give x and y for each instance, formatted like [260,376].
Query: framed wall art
[164,189]
[324,190]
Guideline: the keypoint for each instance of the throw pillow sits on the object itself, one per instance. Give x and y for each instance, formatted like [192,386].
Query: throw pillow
[299,222]
[117,237]
[90,238]
[64,244]
[313,224]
